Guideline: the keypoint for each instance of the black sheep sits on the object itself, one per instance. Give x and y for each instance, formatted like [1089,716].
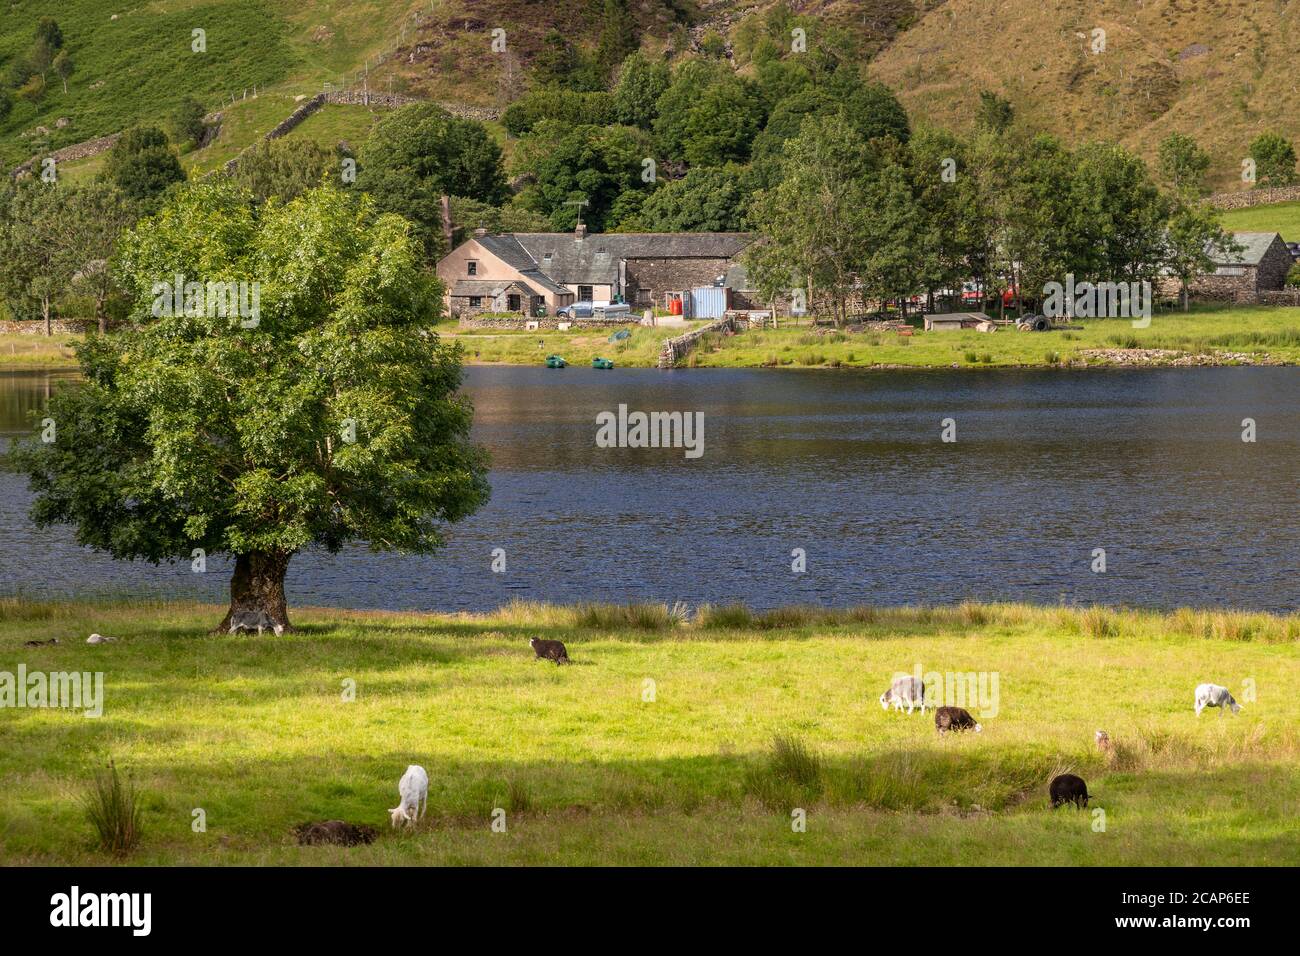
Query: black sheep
[550,650]
[954,718]
[1067,788]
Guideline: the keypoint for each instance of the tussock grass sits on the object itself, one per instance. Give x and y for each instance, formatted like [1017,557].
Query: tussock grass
[112,807]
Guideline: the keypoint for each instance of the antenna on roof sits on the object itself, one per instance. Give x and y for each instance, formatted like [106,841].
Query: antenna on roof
[579,203]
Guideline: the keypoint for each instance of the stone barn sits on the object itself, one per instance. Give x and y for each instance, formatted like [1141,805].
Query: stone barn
[1260,266]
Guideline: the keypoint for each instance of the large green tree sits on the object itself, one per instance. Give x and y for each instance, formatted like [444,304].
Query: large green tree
[707,199]
[286,168]
[39,246]
[595,164]
[331,415]
[636,95]
[814,223]
[420,153]
[1274,158]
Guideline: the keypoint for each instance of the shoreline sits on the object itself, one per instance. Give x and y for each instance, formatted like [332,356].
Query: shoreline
[1182,360]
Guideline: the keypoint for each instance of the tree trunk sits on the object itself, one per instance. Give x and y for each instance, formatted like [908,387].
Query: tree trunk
[258,585]
[45,311]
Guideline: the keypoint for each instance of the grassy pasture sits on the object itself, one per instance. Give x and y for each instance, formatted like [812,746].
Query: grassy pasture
[1283,217]
[255,732]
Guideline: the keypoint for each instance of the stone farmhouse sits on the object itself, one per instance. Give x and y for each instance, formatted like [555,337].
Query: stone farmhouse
[535,273]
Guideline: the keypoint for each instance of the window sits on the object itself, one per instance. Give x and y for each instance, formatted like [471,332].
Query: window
[584,293]
[472,267]
[1230,271]
[475,301]
[512,303]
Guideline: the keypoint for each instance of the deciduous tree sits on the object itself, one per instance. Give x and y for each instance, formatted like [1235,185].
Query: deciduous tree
[334,418]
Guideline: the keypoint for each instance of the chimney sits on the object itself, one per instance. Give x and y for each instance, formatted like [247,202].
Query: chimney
[581,231]
[480,232]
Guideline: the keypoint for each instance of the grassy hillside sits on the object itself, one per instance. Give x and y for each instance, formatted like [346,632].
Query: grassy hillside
[1219,70]
[255,732]
[134,62]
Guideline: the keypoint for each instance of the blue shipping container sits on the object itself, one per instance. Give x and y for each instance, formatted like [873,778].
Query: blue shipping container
[708,302]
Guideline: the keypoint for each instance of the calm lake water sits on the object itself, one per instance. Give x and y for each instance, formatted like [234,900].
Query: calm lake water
[848,466]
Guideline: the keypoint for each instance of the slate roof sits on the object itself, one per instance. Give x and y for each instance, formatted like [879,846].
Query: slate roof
[559,257]
[491,288]
[1254,245]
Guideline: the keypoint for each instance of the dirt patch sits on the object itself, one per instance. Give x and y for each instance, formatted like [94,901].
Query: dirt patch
[335,832]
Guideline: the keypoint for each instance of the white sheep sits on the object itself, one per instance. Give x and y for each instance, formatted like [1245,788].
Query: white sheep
[1212,695]
[904,690]
[414,790]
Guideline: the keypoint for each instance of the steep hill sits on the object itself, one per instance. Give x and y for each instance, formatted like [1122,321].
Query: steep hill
[1219,70]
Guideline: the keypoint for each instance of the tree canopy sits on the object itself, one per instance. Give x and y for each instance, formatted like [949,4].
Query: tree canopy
[330,415]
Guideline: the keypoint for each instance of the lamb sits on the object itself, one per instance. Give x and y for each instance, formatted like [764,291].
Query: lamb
[99,639]
[1212,695]
[904,690]
[414,790]
[1103,741]
[1067,788]
[550,651]
[248,620]
[954,718]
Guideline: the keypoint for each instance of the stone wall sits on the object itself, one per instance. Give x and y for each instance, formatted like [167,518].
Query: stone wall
[91,147]
[37,326]
[377,100]
[287,124]
[1280,297]
[1245,198]
[516,323]
[676,349]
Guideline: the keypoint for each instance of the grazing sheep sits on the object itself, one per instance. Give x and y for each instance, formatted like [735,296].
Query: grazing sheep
[1103,740]
[904,690]
[1212,695]
[414,790]
[99,639]
[549,651]
[1067,788]
[52,640]
[254,620]
[337,832]
[954,718]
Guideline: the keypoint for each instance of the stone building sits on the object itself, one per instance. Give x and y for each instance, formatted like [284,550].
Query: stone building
[536,273]
[1260,266]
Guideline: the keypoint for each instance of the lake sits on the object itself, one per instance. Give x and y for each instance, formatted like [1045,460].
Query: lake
[848,466]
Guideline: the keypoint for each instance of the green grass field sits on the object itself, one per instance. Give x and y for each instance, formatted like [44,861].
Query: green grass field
[590,768]
[1264,333]
[1283,217]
